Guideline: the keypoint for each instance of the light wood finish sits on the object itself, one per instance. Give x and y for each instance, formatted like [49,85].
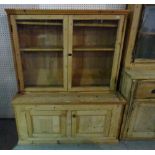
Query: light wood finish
[136,12]
[69,12]
[54,73]
[140,74]
[17,53]
[133,29]
[145,89]
[142,121]
[39,23]
[46,123]
[95,25]
[96,123]
[91,123]
[65,53]
[93,49]
[50,47]
[118,53]
[48,117]
[40,49]
[137,87]
[70,50]
[74,46]
[69,98]
[41,79]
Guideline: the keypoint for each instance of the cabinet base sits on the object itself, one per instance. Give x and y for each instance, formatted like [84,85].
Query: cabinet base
[69,141]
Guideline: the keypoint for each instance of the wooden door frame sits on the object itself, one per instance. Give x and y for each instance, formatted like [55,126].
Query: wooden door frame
[134,22]
[117,52]
[17,55]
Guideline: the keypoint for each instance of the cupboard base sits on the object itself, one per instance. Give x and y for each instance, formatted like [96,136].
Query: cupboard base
[88,119]
[69,141]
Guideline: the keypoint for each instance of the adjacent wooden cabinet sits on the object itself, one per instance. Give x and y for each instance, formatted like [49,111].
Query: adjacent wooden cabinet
[140,48]
[142,121]
[138,75]
[139,117]
[58,53]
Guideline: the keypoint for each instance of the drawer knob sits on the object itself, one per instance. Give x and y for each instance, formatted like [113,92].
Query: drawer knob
[74,115]
[70,54]
[153,91]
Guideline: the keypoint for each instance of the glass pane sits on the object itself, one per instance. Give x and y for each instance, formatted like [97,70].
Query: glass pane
[145,47]
[92,68]
[41,47]
[94,34]
[43,68]
[40,34]
[93,50]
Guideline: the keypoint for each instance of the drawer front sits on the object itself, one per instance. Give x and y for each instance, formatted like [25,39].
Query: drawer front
[145,89]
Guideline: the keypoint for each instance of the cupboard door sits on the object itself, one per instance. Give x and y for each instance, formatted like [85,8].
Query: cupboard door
[46,123]
[93,47]
[96,123]
[42,48]
[142,121]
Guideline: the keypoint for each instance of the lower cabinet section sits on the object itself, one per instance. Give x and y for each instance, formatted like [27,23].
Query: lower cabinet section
[68,123]
[141,122]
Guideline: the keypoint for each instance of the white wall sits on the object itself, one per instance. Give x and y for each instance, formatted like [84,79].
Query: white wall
[8,84]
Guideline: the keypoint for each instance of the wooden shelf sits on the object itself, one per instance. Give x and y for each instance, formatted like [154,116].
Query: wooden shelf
[39,23]
[93,49]
[94,25]
[40,49]
[147,33]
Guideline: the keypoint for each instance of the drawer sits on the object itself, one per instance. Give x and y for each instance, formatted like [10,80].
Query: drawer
[145,89]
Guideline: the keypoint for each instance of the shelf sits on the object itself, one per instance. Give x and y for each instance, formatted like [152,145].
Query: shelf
[39,23]
[94,25]
[93,49]
[40,49]
[147,33]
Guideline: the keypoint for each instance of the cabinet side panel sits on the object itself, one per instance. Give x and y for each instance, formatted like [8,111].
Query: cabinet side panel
[125,85]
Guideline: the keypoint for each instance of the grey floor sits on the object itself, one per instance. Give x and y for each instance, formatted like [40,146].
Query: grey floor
[9,138]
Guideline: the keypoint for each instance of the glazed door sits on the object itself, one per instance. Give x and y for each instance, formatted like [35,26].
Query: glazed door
[145,47]
[94,52]
[41,47]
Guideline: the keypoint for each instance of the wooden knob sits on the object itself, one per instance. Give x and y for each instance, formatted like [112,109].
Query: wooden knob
[74,115]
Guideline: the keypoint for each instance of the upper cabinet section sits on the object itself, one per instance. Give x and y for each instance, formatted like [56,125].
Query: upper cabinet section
[145,45]
[67,52]
[140,47]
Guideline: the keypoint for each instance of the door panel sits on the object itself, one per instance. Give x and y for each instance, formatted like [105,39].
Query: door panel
[142,121]
[91,123]
[46,123]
